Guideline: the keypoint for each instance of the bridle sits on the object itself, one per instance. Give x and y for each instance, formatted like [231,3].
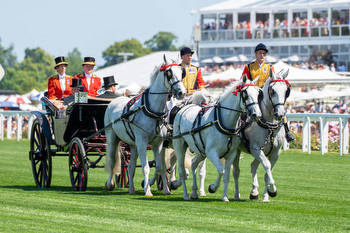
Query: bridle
[271,92]
[244,95]
[168,74]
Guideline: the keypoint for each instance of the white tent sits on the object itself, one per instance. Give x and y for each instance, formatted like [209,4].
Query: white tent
[217,60]
[297,75]
[207,61]
[232,59]
[243,58]
[270,59]
[139,70]
[226,75]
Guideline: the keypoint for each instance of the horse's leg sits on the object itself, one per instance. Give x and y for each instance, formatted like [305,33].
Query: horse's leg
[112,141]
[172,167]
[180,150]
[159,155]
[202,174]
[236,171]
[141,143]
[195,161]
[214,158]
[254,193]
[259,154]
[226,177]
[131,168]
[273,159]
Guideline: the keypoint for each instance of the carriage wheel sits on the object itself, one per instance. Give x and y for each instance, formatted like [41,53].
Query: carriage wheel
[40,157]
[78,167]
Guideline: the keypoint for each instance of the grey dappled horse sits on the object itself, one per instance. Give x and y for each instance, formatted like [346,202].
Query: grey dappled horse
[138,124]
[267,136]
[208,133]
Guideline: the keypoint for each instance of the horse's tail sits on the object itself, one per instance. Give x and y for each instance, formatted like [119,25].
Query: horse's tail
[113,150]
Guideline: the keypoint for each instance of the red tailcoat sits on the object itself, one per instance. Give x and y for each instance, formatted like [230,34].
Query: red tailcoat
[55,89]
[95,84]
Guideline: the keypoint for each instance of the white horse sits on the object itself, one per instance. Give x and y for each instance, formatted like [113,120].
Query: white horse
[201,98]
[208,133]
[265,137]
[137,122]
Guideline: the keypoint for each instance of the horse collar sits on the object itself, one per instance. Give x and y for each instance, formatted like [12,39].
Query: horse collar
[146,109]
[219,126]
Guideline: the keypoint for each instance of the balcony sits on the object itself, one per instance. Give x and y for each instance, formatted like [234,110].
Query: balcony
[276,33]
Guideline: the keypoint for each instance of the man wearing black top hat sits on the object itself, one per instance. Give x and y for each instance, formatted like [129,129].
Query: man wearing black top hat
[109,86]
[76,86]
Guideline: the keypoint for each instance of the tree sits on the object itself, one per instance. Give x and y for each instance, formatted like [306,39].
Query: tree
[162,41]
[75,60]
[131,46]
[7,58]
[31,73]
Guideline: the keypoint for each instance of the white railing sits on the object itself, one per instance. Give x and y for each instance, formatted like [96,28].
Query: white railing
[323,119]
[14,116]
[305,118]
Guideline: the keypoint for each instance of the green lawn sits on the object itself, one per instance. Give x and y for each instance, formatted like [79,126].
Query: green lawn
[313,196]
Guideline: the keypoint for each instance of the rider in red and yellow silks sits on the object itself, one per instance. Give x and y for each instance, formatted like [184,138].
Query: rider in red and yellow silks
[193,79]
[261,70]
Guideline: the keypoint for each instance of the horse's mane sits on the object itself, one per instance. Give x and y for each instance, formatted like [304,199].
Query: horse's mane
[155,73]
[228,90]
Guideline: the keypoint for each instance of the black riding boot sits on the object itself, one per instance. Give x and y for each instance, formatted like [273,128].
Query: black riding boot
[289,135]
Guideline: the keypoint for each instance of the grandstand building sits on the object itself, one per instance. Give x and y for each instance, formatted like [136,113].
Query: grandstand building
[298,28]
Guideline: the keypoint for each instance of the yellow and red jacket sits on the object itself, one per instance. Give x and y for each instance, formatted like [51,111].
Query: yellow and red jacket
[95,84]
[54,88]
[193,79]
[253,71]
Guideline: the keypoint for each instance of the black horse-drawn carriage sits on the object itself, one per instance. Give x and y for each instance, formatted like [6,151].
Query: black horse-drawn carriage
[76,133]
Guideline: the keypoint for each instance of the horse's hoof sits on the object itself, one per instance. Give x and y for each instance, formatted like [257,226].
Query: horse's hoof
[202,193]
[253,197]
[225,199]
[109,188]
[143,183]
[172,185]
[237,197]
[210,189]
[149,194]
[266,200]
[131,191]
[194,196]
[272,194]
[187,198]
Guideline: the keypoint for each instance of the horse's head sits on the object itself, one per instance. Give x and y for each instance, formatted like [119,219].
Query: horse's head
[173,74]
[251,96]
[279,90]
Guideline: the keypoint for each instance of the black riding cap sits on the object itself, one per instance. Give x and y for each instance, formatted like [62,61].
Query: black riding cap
[261,46]
[186,50]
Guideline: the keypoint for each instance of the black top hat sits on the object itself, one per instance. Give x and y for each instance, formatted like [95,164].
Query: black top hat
[76,82]
[108,81]
[89,61]
[186,50]
[261,46]
[60,61]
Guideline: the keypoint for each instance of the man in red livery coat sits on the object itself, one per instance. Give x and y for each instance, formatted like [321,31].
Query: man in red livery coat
[59,86]
[90,81]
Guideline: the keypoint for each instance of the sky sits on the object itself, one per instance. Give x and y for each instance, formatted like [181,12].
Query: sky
[92,26]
